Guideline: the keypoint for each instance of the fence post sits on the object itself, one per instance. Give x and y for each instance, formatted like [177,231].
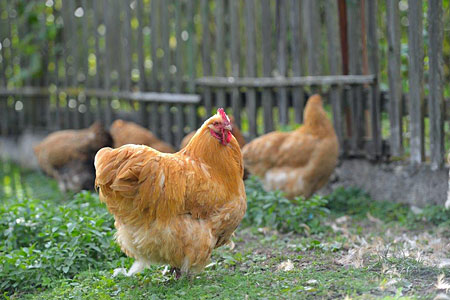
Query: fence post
[235,59]
[296,37]
[436,99]
[282,60]
[266,30]
[395,84]
[415,72]
[331,16]
[373,64]
[251,65]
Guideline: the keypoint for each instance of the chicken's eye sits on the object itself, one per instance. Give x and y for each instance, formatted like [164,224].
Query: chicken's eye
[216,123]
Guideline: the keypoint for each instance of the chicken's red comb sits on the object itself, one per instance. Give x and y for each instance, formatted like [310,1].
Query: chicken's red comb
[224,116]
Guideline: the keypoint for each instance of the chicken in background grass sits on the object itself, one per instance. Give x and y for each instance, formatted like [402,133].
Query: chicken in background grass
[298,162]
[236,133]
[175,208]
[124,133]
[68,156]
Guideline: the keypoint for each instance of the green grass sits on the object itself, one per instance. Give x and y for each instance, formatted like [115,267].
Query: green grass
[55,246]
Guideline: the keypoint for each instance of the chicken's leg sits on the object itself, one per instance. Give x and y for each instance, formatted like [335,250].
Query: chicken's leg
[137,267]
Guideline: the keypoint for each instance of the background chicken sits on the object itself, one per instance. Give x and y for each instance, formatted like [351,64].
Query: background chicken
[68,156]
[298,162]
[124,133]
[235,131]
[175,208]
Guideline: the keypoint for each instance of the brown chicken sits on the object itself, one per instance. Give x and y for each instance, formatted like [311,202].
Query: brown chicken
[68,156]
[124,133]
[298,162]
[236,132]
[175,208]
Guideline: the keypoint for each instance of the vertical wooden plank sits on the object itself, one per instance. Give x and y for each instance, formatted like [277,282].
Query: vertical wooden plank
[394,75]
[415,72]
[126,42]
[235,58]
[192,116]
[166,118]
[355,68]
[296,54]
[179,116]
[87,115]
[220,49]
[251,65]
[267,63]
[311,18]
[334,62]
[436,99]
[107,60]
[99,58]
[206,55]
[372,45]
[154,25]
[282,59]
[141,62]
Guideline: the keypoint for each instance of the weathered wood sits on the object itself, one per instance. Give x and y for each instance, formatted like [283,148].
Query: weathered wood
[192,116]
[141,61]
[235,59]
[355,68]
[335,96]
[220,49]
[206,55]
[108,115]
[395,84]
[282,59]
[4,118]
[297,92]
[154,44]
[251,65]
[179,115]
[99,59]
[267,63]
[136,96]
[373,64]
[311,21]
[415,73]
[165,86]
[269,82]
[126,48]
[435,104]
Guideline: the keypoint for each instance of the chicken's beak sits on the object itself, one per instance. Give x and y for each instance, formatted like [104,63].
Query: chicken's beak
[228,127]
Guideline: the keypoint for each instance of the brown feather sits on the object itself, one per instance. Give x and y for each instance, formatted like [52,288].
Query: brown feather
[298,162]
[174,208]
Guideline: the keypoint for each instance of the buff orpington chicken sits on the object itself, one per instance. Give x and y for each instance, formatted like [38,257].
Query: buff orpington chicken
[236,133]
[298,162]
[124,132]
[174,209]
[68,156]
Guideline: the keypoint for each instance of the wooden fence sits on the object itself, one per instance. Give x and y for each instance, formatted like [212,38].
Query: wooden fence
[167,64]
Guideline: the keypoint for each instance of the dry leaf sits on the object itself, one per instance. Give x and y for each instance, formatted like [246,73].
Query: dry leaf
[442,284]
[286,266]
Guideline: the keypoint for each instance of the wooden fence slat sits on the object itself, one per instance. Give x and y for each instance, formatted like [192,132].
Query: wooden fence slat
[98,56]
[192,115]
[87,116]
[267,64]
[373,64]
[141,61]
[282,59]
[179,116]
[355,68]
[415,72]
[220,49]
[206,55]
[332,26]
[436,99]
[394,75]
[251,66]
[154,25]
[126,41]
[165,36]
[235,57]
[108,116]
[298,97]
[311,19]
